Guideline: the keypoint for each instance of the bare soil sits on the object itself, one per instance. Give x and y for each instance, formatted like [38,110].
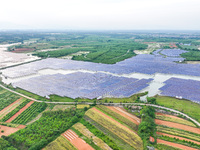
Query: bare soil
[123,113]
[7,130]
[175,145]
[177,125]
[178,137]
[19,112]
[79,143]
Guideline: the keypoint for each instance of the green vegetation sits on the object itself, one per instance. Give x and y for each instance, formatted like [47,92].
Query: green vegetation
[118,117]
[166,147]
[5,145]
[119,130]
[91,137]
[60,143]
[114,139]
[147,127]
[182,142]
[100,134]
[86,139]
[179,132]
[185,106]
[10,114]
[176,120]
[7,98]
[30,113]
[45,130]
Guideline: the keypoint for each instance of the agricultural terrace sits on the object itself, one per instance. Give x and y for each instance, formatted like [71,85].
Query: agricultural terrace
[121,131]
[177,132]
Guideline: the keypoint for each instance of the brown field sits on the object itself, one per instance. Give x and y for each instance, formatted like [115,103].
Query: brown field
[175,145]
[21,50]
[125,114]
[7,130]
[19,112]
[178,137]
[9,108]
[76,141]
[178,126]
[111,119]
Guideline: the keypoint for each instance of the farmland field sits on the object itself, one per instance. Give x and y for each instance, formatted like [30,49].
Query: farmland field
[174,119]
[119,130]
[60,143]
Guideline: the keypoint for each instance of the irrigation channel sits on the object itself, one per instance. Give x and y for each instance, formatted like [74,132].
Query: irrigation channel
[113,104]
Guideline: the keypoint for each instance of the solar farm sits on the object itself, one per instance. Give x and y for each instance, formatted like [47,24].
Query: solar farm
[83,85]
[181,88]
[92,80]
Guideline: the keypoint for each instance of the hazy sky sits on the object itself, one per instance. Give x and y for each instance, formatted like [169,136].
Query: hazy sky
[100,14]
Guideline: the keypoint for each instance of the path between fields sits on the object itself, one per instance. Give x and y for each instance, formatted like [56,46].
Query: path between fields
[79,143]
[10,107]
[175,145]
[113,104]
[178,137]
[19,112]
[178,126]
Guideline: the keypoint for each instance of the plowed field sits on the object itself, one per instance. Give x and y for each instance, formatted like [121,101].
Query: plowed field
[175,145]
[76,141]
[125,114]
[19,112]
[178,137]
[177,125]
[7,130]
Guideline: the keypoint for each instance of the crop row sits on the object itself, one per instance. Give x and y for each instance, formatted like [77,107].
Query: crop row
[60,143]
[10,114]
[6,99]
[30,113]
[178,132]
[176,120]
[82,129]
[182,142]
[118,117]
[119,130]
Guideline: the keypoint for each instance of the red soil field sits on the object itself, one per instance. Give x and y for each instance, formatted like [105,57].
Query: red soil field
[19,112]
[171,116]
[178,137]
[112,119]
[21,127]
[175,145]
[177,125]
[123,113]
[76,141]
[9,108]
[151,139]
[18,50]
[7,130]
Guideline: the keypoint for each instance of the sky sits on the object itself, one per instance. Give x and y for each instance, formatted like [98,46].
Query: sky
[100,14]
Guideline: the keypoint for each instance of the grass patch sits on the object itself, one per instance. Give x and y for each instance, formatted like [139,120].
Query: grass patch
[185,106]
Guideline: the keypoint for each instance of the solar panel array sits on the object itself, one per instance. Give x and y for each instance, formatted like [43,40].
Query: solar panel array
[83,85]
[173,52]
[187,89]
[147,64]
